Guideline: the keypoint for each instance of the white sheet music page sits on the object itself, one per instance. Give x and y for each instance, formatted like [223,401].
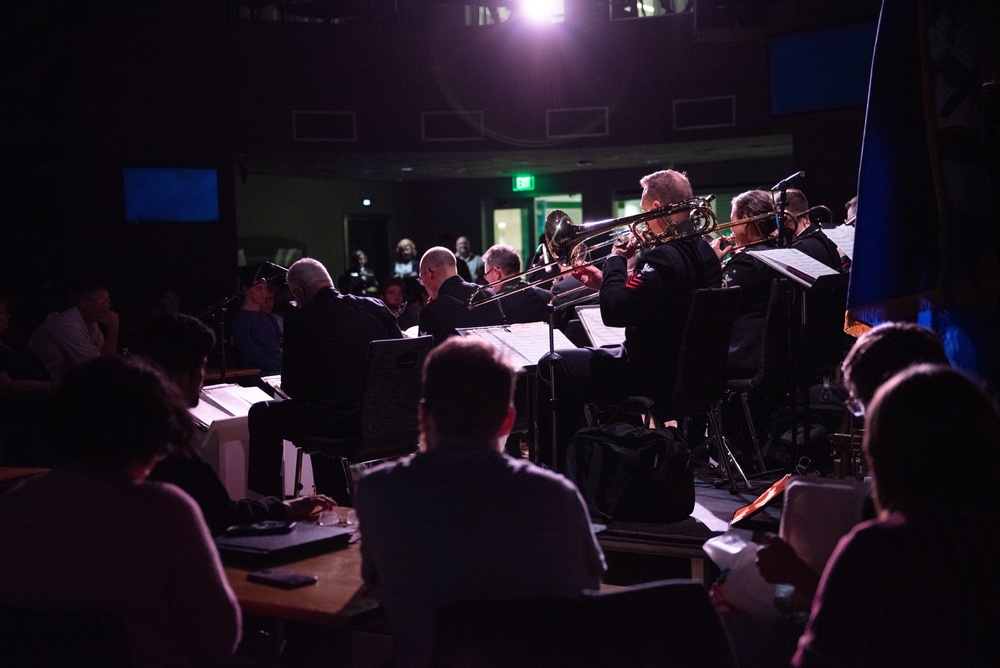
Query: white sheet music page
[843,236]
[794,264]
[524,343]
[205,413]
[233,399]
[599,333]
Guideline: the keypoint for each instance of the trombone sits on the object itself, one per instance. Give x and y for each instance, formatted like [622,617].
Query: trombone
[817,215]
[567,242]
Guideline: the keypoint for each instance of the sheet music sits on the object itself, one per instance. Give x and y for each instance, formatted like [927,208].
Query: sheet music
[794,264]
[274,382]
[233,399]
[205,413]
[599,333]
[843,236]
[524,343]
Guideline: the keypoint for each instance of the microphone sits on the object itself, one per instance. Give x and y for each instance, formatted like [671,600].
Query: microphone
[787,181]
[276,266]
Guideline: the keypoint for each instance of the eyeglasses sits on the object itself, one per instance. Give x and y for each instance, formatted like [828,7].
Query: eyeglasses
[420,278]
[855,406]
[487,272]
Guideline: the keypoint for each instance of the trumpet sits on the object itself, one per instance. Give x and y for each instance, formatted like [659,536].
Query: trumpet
[568,243]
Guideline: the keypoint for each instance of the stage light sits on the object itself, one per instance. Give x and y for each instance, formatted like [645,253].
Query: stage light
[366,202]
[543,11]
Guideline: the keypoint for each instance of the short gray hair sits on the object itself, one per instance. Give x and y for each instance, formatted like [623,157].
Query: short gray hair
[308,272]
[503,258]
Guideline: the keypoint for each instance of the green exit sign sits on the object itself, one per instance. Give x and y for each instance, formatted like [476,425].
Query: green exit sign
[526,182]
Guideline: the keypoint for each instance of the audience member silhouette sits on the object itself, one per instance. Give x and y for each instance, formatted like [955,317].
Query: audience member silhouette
[94,535]
[462,520]
[179,345]
[256,334]
[78,334]
[919,585]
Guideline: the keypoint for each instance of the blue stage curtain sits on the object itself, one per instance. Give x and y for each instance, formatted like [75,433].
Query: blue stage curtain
[927,221]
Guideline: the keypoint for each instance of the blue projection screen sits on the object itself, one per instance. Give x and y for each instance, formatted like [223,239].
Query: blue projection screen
[821,69]
[159,194]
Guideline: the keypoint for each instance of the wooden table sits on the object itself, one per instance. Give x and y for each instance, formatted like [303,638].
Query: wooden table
[338,595]
[317,619]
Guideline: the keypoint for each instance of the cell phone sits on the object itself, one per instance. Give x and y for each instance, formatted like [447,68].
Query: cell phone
[279,577]
[265,528]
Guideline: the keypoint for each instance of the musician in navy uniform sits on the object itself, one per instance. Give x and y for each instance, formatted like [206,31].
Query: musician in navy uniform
[520,302]
[651,302]
[448,298]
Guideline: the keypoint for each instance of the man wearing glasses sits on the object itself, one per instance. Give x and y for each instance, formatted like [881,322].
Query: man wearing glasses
[324,359]
[448,298]
[78,334]
[521,303]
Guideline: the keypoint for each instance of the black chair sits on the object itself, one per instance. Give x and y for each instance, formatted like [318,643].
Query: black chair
[702,370]
[62,639]
[666,623]
[388,410]
[772,374]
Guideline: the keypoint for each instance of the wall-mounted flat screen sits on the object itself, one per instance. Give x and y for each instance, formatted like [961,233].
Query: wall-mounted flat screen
[821,69]
[161,194]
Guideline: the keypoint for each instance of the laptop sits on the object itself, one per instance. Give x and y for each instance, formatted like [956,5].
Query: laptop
[265,551]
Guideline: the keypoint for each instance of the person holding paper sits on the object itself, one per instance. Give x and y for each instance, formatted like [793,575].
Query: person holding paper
[179,345]
[448,298]
[919,585]
[651,302]
[521,303]
[323,367]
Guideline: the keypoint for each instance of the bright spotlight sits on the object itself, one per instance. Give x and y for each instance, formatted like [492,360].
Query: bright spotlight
[543,11]
[366,202]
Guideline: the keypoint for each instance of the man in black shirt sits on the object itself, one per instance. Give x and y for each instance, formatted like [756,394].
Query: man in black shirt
[324,360]
[448,298]
[809,238]
[520,302]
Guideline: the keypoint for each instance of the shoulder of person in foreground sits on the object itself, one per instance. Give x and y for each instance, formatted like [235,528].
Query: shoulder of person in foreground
[204,608]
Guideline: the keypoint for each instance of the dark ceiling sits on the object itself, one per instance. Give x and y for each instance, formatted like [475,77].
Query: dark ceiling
[400,167]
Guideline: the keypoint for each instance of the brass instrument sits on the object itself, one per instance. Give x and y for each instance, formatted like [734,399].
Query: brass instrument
[567,242]
[771,217]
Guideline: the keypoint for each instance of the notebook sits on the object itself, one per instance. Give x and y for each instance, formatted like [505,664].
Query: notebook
[303,541]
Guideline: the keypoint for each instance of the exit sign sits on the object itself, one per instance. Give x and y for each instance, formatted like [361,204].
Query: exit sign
[526,182]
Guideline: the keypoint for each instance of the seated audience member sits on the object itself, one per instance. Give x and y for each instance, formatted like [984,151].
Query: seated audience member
[179,345]
[362,280]
[406,311]
[460,520]
[919,585]
[448,298]
[94,535]
[269,307]
[324,362]
[520,303]
[256,334]
[474,262]
[78,334]
[407,264]
[876,356]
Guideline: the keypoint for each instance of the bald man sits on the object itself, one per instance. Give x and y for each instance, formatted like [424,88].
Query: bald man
[448,298]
